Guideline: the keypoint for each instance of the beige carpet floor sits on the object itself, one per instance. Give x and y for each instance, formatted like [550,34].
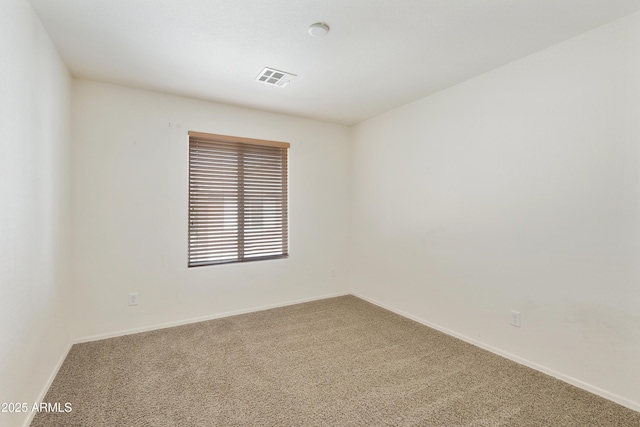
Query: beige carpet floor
[335,362]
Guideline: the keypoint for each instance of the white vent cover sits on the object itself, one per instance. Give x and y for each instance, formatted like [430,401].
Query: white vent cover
[275,77]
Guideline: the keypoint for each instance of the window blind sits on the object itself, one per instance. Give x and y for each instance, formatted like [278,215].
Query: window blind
[237,199]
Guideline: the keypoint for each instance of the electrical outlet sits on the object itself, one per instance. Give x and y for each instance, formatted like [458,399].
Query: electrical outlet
[133,298]
[515,318]
[332,272]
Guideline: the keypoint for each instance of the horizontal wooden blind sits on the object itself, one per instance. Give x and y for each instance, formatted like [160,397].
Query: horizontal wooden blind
[237,199]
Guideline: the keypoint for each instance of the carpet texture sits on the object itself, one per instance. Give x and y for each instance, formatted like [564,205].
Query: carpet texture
[335,362]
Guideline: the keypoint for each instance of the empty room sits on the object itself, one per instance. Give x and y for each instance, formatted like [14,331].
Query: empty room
[319,213]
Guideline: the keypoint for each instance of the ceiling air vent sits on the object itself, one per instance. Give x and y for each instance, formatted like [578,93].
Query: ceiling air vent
[275,77]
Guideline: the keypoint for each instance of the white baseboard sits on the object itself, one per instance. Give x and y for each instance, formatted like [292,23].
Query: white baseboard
[566,378]
[203,318]
[45,389]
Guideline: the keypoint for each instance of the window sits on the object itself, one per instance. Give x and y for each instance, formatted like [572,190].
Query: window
[237,199]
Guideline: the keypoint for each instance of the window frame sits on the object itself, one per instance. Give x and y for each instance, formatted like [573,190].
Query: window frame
[244,148]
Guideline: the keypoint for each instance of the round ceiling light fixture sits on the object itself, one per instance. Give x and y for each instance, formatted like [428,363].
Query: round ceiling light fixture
[319,29]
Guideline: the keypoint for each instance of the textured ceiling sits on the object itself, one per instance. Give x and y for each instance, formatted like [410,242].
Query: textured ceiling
[380,54]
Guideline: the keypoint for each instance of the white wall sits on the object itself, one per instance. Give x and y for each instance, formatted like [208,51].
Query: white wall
[517,189]
[130,188]
[34,206]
